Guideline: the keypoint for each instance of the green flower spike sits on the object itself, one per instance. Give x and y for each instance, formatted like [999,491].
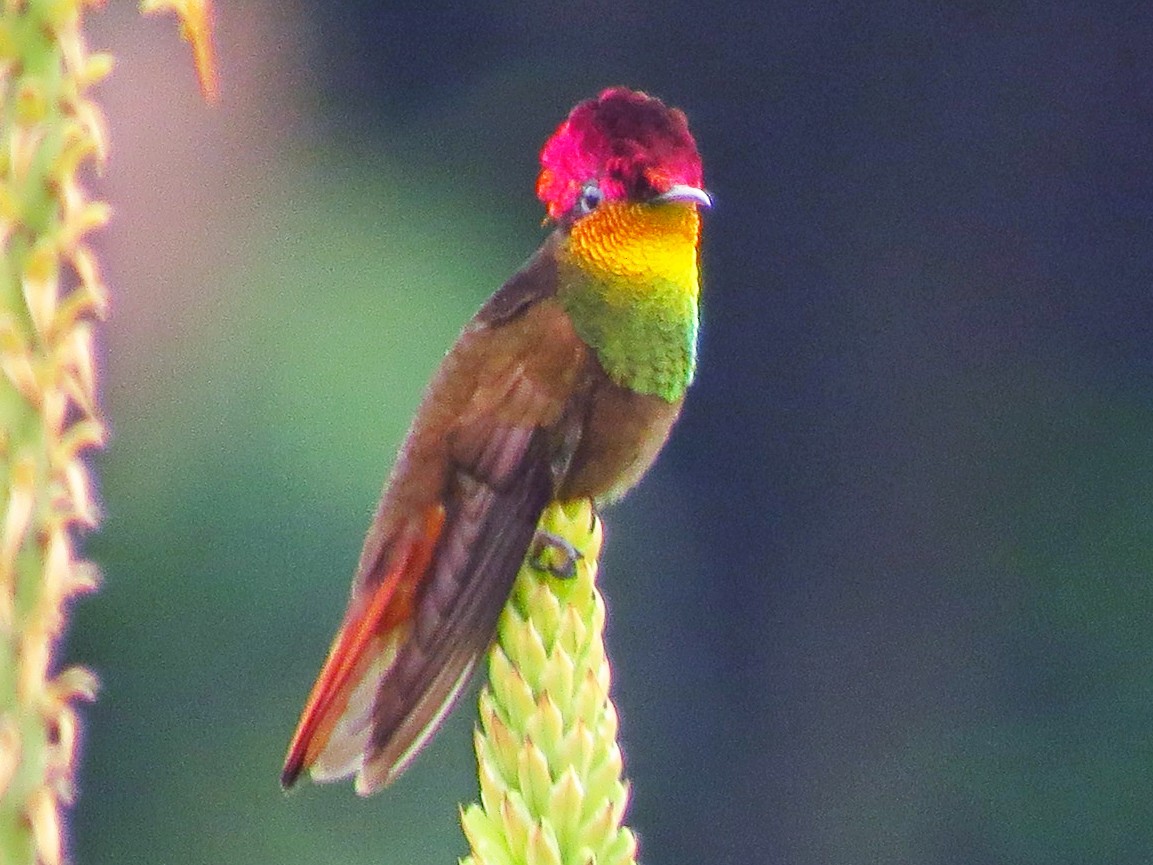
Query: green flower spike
[50,295]
[551,791]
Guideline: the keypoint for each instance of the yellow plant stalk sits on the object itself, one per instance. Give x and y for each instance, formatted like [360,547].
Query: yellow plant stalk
[196,26]
[50,293]
[551,791]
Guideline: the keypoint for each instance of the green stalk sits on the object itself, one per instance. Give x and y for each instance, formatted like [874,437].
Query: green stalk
[551,791]
[50,293]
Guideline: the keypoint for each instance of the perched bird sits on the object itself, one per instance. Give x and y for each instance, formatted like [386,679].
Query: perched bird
[565,384]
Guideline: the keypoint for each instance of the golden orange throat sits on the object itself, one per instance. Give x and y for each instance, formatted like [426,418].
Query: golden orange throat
[628,280]
[639,243]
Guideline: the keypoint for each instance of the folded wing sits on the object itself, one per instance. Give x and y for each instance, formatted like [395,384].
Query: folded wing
[503,422]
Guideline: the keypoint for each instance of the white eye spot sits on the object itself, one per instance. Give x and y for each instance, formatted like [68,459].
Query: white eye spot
[590,197]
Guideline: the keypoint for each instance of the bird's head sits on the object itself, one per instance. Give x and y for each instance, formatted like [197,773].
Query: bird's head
[622,177]
[622,147]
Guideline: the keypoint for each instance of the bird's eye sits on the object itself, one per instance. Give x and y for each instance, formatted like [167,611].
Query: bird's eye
[590,197]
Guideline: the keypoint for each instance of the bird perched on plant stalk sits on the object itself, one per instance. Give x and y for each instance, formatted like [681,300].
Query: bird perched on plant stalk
[564,385]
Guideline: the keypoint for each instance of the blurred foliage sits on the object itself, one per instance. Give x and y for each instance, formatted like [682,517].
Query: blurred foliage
[236,499]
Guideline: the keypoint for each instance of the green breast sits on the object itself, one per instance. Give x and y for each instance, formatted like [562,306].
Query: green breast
[644,332]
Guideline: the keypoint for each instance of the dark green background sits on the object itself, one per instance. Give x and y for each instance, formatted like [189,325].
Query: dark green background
[887,596]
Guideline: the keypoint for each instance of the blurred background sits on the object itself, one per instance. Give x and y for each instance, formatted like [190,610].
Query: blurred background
[888,595]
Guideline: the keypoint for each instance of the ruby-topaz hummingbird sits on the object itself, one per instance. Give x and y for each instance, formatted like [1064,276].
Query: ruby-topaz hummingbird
[564,385]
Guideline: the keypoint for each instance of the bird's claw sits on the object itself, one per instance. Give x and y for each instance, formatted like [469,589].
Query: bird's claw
[553,555]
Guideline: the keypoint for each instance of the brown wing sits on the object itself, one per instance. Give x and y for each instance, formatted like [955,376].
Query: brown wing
[493,434]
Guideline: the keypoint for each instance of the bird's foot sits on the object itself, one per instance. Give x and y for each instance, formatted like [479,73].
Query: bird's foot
[553,555]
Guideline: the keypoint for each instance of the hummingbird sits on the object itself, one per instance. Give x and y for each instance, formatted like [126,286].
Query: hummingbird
[564,385]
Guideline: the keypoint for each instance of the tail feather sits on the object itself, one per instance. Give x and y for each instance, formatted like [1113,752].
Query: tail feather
[402,658]
[343,753]
[487,533]
[361,647]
